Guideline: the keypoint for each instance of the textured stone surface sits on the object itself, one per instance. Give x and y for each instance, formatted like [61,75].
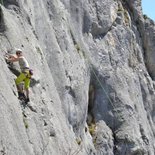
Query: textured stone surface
[149,45]
[92,92]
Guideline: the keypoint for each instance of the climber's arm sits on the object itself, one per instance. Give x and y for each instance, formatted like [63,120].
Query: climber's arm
[11,58]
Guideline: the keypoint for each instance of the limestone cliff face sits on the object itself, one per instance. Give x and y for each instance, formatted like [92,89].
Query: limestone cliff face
[93,89]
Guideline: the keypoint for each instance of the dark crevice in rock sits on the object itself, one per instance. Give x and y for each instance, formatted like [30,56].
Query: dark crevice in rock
[25,121]
[35,34]
[49,128]
[2,24]
[115,143]
[145,55]
[126,146]
[145,139]
[86,23]
[76,126]
[123,146]
[90,112]
[105,97]
[90,115]
[14,71]
[73,38]
[3,149]
[34,82]
[50,9]
[29,20]
[68,76]
[10,2]
[102,35]
[148,47]
[70,91]
[151,74]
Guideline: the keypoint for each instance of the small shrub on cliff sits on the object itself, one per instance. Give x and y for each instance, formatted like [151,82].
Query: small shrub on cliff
[81,52]
[126,15]
[120,9]
[145,17]
[92,128]
[77,47]
[78,140]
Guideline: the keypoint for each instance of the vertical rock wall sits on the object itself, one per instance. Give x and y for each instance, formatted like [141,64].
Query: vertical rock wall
[92,90]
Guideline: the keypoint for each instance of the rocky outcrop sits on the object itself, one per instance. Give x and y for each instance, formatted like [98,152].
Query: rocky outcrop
[149,45]
[92,91]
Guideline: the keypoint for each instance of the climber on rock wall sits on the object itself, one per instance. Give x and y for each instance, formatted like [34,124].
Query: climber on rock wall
[24,76]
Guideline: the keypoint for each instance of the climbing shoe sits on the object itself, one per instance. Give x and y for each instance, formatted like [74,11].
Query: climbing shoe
[27,100]
[21,96]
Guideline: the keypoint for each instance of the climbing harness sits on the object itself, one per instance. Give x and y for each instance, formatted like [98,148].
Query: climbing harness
[28,73]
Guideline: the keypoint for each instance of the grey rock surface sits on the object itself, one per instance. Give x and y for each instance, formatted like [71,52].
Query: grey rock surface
[93,90]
